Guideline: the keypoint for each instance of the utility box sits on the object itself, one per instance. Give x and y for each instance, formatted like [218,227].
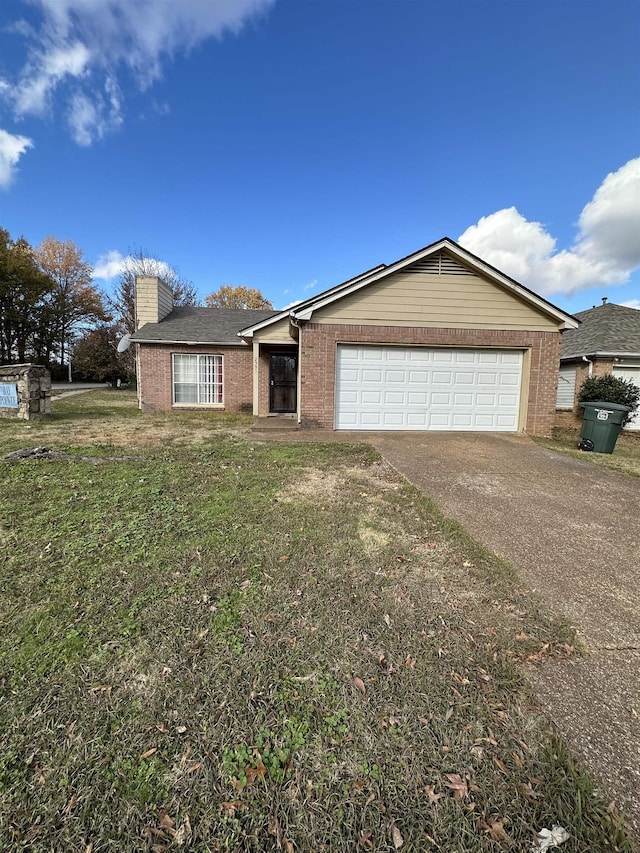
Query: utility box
[601,425]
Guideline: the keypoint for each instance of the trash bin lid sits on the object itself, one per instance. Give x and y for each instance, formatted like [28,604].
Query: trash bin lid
[602,404]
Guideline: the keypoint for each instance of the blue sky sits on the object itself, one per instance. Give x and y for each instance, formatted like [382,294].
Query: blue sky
[291,144]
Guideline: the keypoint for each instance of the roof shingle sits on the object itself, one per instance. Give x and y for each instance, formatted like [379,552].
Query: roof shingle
[201,326]
[607,328]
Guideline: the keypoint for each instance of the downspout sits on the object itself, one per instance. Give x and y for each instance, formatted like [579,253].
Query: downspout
[590,363]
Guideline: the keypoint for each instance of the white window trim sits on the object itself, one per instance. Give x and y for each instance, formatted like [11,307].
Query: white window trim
[173,383]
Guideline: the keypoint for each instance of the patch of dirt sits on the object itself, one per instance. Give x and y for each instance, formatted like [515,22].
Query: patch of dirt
[317,484]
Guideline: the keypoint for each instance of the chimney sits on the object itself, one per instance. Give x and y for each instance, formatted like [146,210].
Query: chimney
[604,300]
[154,300]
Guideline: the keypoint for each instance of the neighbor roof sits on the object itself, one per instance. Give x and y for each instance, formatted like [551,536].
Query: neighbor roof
[200,326]
[304,310]
[607,329]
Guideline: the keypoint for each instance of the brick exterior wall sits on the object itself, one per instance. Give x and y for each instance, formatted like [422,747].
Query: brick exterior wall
[318,363]
[155,384]
[572,419]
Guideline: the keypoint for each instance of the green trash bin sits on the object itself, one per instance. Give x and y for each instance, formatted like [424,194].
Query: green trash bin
[601,426]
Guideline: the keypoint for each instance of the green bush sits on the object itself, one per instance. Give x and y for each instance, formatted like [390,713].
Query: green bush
[611,389]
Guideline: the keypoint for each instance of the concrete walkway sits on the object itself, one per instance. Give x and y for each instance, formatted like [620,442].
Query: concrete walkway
[571,529]
[70,389]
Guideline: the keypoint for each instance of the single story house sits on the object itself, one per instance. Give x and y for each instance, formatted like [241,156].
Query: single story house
[607,341]
[439,340]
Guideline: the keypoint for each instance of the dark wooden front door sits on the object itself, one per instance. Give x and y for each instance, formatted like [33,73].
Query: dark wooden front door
[283,383]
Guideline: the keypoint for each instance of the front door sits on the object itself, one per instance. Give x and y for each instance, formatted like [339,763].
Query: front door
[283,383]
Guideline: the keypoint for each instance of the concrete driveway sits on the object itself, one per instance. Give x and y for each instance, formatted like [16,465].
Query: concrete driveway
[571,529]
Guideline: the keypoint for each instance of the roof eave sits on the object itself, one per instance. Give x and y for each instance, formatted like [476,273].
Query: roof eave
[189,343]
[588,354]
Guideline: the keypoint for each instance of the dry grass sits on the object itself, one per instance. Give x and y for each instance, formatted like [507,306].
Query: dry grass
[625,457]
[230,645]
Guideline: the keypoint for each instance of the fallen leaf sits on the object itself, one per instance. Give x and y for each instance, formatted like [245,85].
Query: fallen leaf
[359,683]
[288,845]
[365,838]
[273,825]
[501,765]
[232,807]
[166,822]
[387,620]
[398,840]
[457,785]
[449,714]
[257,772]
[494,828]
[477,752]
[525,790]
[430,792]
[195,767]
[149,753]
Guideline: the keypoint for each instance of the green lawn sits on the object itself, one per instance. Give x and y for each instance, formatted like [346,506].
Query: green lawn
[244,646]
[625,457]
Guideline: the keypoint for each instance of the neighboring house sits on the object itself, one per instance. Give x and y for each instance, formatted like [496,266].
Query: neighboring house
[607,341]
[439,340]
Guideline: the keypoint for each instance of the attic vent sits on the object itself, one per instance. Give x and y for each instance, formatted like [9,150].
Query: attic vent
[439,264]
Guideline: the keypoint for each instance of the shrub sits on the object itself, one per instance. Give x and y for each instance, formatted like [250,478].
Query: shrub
[611,389]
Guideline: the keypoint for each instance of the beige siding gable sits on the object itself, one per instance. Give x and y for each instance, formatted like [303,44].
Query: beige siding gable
[436,292]
[276,333]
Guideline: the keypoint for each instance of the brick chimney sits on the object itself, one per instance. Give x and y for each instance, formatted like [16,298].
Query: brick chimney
[154,300]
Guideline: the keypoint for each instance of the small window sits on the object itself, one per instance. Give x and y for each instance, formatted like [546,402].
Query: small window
[566,388]
[197,380]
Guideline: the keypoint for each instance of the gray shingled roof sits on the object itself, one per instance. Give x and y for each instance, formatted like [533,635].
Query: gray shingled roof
[607,328]
[201,326]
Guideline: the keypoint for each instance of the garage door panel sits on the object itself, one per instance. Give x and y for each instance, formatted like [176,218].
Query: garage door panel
[380,388]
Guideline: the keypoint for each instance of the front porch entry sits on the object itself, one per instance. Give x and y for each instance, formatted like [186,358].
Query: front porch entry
[283,383]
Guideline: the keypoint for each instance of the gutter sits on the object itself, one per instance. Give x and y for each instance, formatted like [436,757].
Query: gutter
[191,343]
[586,356]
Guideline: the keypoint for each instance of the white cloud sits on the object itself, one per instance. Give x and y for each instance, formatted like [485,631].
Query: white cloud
[109,265]
[606,250]
[86,43]
[290,305]
[90,119]
[631,303]
[42,75]
[11,150]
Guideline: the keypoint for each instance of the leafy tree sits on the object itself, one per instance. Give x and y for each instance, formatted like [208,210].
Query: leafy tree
[73,298]
[237,297]
[142,263]
[95,354]
[24,289]
[611,389]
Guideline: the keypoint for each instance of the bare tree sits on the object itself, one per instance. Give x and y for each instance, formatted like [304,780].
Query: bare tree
[142,263]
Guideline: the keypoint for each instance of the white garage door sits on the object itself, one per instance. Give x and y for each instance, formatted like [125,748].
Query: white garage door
[633,374]
[415,388]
